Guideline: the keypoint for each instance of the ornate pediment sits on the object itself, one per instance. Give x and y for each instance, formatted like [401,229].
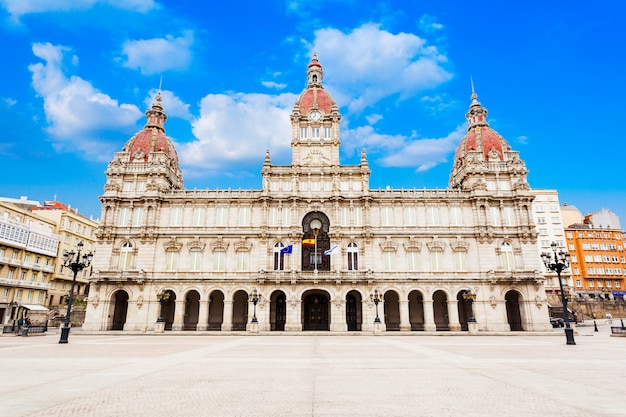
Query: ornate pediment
[173,245]
[389,245]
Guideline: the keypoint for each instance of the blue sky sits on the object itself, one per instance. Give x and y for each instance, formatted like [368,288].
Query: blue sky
[78,76]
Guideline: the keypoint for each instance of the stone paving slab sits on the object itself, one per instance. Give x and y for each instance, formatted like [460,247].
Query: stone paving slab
[115,374]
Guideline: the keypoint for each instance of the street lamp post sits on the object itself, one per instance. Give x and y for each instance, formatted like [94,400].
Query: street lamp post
[316,225]
[163,297]
[557,262]
[255,297]
[73,261]
[376,298]
[469,298]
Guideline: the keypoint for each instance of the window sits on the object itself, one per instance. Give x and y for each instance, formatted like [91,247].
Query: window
[128,186]
[171,261]
[509,216]
[541,220]
[345,216]
[141,186]
[219,260]
[357,213]
[124,216]
[573,259]
[591,283]
[410,216]
[579,283]
[18,296]
[571,246]
[303,133]
[494,216]
[221,216]
[279,258]
[576,271]
[286,211]
[243,258]
[126,256]
[29,297]
[591,271]
[386,216]
[597,258]
[137,216]
[456,218]
[244,216]
[389,261]
[432,216]
[588,258]
[353,257]
[617,284]
[195,260]
[315,132]
[460,261]
[6,294]
[436,261]
[176,216]
[412,260]
[506,257]
[327,133]
[199,214]
[274,216]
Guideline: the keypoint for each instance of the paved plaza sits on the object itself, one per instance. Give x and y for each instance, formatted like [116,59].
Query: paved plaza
[313,374]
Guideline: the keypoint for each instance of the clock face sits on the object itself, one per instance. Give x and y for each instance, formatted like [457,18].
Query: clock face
[315,115]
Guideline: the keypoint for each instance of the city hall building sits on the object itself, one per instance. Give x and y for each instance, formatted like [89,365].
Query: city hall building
[315,248]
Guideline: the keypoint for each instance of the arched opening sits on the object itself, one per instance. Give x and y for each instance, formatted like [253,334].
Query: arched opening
[278,311]
[513,313]
[354,311]
[464,310]
[169,307]
[120,309]
[440,310]
[279,257]
[216,310]
[392,311]
[416,310]
[315,310]
[240,310]
[192,310]
[315,242]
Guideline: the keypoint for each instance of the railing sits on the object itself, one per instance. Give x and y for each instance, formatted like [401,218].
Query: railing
[25,330]
[618,330]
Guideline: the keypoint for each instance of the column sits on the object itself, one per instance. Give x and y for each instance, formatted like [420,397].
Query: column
[338,316]
[429,316]
[453,315]
[405,323]
[179,315]
[227,324]
[293,322]
[203,315]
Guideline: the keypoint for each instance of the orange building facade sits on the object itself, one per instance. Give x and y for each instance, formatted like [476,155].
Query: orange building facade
[598,261]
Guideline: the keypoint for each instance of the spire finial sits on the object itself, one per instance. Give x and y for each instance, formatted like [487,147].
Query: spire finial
[474,96]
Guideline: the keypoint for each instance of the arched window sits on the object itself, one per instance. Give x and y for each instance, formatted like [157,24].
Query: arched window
[353,257]
[126,256]
[506,257]
[279,258]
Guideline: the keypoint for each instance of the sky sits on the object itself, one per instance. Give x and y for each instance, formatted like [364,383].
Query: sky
[78,75]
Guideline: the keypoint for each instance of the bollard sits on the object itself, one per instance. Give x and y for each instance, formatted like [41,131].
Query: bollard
[595,326]
[622,321]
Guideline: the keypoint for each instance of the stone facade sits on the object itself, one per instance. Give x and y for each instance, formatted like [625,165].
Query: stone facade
[179,259]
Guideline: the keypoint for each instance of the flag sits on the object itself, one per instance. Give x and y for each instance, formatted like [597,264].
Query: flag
[308,242]
[287,249]
[331,250]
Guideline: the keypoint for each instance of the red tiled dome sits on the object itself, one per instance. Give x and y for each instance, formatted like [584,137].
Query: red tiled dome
[312,95]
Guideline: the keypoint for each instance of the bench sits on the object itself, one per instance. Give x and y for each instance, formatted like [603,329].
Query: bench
[618,330]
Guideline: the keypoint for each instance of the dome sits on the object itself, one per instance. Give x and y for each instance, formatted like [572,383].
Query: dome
[152,138]
[480,137]
[314,96]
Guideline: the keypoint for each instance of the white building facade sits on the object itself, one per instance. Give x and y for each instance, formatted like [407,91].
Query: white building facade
[192,259]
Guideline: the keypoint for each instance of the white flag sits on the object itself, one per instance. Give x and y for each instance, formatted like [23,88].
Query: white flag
[331,250]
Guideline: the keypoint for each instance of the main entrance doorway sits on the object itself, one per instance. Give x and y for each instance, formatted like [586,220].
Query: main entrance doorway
[315,315]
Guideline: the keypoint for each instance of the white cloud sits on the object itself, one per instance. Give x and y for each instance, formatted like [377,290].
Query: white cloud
[369,64]
[157,55]
[76,111]
[17,8]
[273,84]
[428,23]
[233,130]
[400,150]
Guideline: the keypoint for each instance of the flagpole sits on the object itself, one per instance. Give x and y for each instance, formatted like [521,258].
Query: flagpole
[316,225]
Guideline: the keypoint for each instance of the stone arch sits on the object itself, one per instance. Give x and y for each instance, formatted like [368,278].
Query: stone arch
[168,308]
[119,309]
[514,311]
[278,310]
[240,310]
[464,310]
[313,247]
[416,310]
[440,310]
[354,310]
[192,310]
[392,310]
[216,310]
[316,305]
